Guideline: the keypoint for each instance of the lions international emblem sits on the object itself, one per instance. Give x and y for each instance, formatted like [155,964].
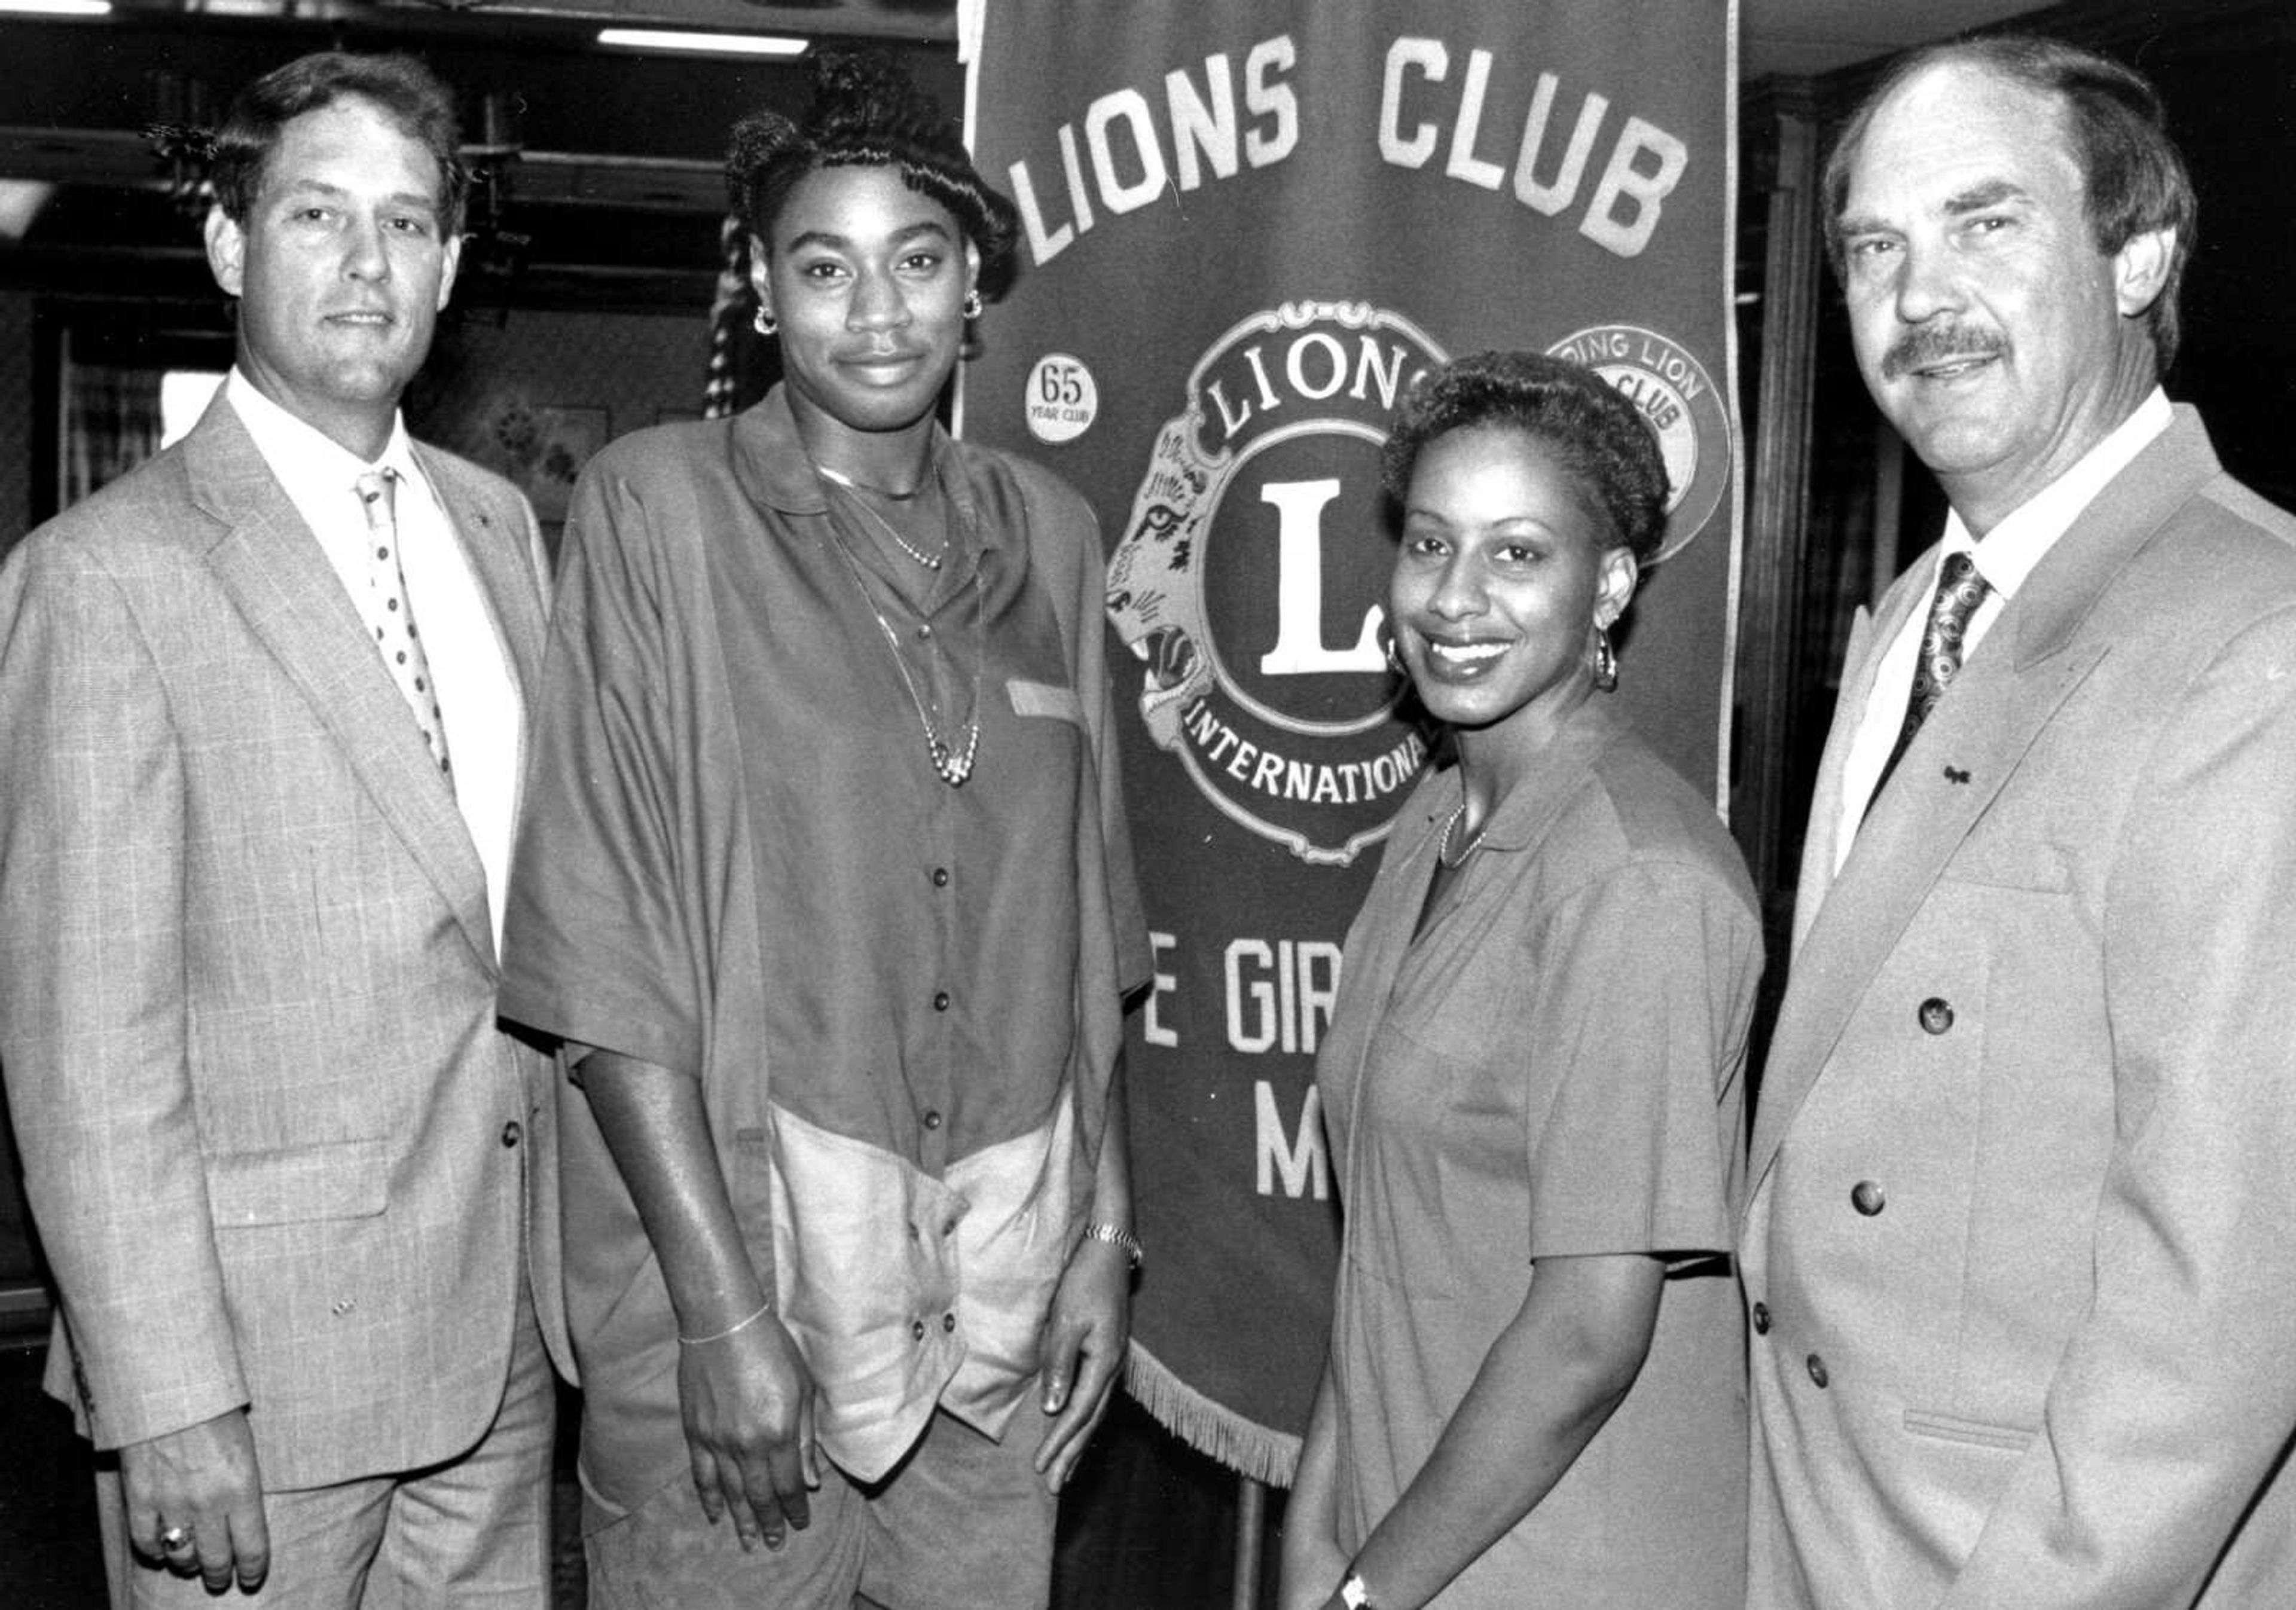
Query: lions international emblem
[1251,580]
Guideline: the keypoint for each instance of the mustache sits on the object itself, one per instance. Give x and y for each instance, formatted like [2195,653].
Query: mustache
[1933,344]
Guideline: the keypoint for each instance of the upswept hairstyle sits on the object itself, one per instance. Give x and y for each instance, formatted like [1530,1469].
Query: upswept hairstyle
[868,113]
[402,88]
[2133,178]
[1596,433]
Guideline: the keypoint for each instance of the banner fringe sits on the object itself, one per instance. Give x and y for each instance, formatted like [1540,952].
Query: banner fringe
[1245,1446]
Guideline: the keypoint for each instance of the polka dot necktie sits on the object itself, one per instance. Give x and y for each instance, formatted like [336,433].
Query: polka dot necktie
[392,617]
[1960,590]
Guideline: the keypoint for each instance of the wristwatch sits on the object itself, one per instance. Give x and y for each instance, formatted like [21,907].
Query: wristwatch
[1354,1594]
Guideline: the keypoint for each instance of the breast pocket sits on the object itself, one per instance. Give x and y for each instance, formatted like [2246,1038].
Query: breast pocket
[299,1184]
[1044,699]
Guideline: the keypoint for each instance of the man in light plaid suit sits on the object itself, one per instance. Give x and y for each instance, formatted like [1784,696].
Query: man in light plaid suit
[260,719]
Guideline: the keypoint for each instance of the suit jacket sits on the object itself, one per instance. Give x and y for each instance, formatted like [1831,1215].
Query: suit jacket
[279,1151]
[2021,1242]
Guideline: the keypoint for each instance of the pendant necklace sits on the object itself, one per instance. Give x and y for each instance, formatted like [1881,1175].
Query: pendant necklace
[853,489]
[952,757]
[1449,861]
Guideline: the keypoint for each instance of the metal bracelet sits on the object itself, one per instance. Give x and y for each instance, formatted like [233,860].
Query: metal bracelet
[1116,1235]
[764,1309]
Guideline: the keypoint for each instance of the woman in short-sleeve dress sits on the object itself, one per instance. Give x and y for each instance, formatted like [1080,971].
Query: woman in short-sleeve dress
[1534,1392]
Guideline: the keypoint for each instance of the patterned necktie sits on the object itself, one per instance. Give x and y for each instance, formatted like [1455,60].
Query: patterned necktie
[392,616]
[1960,590]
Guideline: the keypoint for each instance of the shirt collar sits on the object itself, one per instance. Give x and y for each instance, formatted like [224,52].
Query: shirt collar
[770,460]
[1522,817]
[2011,550]
[310,464]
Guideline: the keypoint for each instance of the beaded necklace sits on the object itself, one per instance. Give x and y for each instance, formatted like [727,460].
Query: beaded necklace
[952,757]
[1450,826]
[853,489]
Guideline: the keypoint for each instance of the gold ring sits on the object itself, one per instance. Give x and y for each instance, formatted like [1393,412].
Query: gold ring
[175,1538]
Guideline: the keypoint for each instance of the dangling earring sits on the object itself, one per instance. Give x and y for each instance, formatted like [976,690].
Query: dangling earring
[1606,662]
[1394,659]
[972,308]
[765,322]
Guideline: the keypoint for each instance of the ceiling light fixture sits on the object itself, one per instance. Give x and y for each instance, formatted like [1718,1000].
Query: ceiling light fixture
[708,44]
[57,8]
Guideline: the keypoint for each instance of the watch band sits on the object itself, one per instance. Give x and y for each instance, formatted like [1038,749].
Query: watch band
[1354,1594]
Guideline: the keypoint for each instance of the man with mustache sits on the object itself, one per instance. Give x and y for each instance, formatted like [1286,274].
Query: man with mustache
[2020,1247]
[257,773]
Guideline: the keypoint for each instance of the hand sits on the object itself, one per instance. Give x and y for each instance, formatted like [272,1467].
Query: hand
[204,1480]
[747,1401]
[1082,1345]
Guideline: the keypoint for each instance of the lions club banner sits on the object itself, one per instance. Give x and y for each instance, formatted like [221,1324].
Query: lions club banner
[1249,229]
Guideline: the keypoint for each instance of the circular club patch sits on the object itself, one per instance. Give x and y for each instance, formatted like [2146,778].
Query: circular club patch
[1251,580]
[1063,400]
[1671,387]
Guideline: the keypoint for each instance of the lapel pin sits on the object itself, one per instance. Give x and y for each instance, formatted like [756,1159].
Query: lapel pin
[1955,774]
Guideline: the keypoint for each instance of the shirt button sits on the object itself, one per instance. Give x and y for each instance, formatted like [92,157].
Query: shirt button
[1817,1366]
[1936,1014]
[940,877]
[511,1132]
[925,628]
[917,1329]
[940,1000]
[1761,1318]
[948,1322]
[1867,1197]
[932,1119]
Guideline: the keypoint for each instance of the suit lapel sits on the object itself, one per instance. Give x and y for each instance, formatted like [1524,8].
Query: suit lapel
[494,538]
[272,566]
[1869,638]
[2043,646]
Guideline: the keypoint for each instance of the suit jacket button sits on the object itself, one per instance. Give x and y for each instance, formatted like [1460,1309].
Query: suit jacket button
[511,1132]
[1867,1197]
[917,1329]
[1761,1318]
[1936,1014]
[1817,1366]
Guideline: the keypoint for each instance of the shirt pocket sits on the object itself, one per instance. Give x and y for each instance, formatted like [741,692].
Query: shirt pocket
[1044,699]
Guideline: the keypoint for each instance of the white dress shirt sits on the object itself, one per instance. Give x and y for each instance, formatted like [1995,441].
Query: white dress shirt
[2005,557]
[478,690]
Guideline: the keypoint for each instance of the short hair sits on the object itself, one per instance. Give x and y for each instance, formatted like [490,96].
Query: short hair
[2133,178]
[1602,440]
[399,87]
[868,113]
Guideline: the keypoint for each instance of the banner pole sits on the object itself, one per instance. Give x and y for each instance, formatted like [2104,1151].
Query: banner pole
[1250,1518]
